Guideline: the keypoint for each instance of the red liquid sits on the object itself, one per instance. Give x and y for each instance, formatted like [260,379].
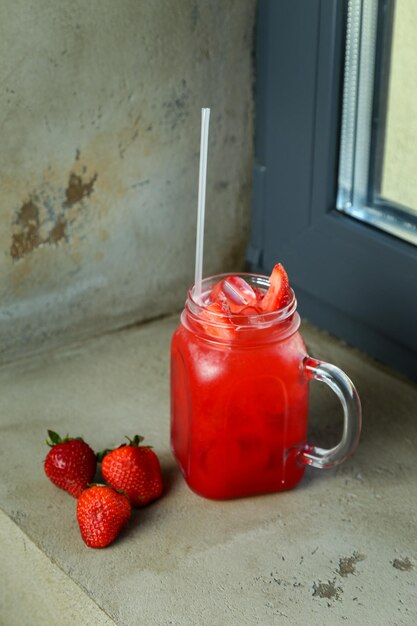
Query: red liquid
[239,409]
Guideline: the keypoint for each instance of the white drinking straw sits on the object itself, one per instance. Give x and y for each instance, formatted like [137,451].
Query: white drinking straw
[205,119]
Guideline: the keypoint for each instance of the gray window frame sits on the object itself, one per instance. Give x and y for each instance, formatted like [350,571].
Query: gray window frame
[358,282]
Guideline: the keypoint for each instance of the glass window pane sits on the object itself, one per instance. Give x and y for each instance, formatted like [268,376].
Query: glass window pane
[399,176]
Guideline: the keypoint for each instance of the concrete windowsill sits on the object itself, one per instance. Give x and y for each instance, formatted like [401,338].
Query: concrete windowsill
[339,547]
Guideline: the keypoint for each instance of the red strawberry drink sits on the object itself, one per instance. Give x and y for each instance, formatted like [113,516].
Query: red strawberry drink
[239,389]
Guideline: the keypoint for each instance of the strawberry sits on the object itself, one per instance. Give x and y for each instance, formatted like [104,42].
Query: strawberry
[278,294]
[102,512]
[134,469]
[216,322]
[70,464]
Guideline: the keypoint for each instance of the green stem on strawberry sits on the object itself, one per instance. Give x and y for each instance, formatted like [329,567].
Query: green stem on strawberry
[122,491]
[55,439]
[134,443]
[100,455]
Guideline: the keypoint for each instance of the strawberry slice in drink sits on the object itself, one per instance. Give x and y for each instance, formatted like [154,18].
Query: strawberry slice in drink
[236,292]
[218,322]
[278,294]
[247,316]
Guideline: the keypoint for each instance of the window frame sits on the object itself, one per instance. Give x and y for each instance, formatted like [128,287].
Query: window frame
[366,77]
[358,282]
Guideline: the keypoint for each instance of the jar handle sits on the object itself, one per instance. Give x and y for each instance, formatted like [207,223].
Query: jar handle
[352,415]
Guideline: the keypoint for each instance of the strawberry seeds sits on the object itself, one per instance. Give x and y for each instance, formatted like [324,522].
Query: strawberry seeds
[134,477]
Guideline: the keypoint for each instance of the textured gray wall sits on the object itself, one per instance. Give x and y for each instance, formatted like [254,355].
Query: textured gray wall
[100,120]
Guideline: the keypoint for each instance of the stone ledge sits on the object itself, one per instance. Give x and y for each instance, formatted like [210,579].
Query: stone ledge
[186,560]
[33,588]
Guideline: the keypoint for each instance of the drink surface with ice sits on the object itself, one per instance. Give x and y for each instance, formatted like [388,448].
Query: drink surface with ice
[239,394]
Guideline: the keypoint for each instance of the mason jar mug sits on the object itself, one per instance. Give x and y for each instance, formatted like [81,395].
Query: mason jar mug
[239,400]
